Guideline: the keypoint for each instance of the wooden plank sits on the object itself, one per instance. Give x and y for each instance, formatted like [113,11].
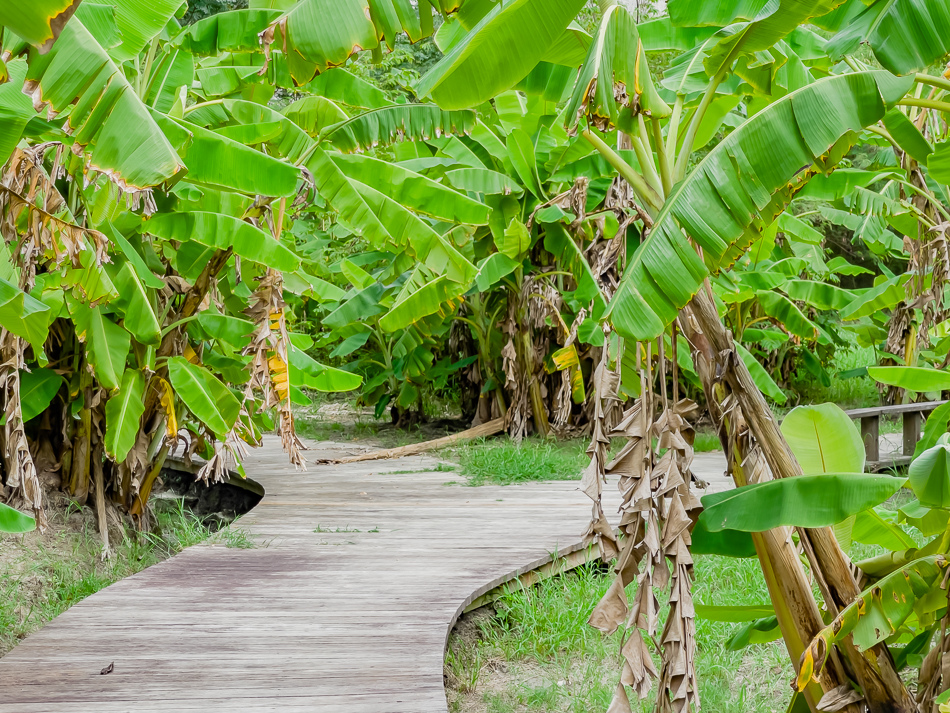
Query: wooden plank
[911,432]
[314,619]
[925,407]
[871,435]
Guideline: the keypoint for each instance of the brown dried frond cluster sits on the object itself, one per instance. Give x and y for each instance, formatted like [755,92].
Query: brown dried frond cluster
[657,513]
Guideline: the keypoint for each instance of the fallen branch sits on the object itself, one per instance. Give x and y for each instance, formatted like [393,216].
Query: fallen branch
[481,431]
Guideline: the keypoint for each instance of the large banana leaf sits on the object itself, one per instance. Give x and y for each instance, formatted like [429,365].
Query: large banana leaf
[124,410]
[38,388]
[346,88]
[139,21]
[108,115]
[929,477]
[220,162]
[762,379]
[913,378]
[737,190]
[305,371]
[474,70]
[204,395]
[16,109]
[222,232]
[430,248]
[569,255]
[384,126]
[319,34]
[803,501]
[39,22]
[23,314]
[107,344]
[906,35]
[416,302]
[414,191]
[877,614]
[234,31]
[700,13]
[14,521]
[133,301]
[616,57]
[824,439]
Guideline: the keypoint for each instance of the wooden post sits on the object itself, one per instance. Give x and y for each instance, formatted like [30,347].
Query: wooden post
[870,434]
[911,431]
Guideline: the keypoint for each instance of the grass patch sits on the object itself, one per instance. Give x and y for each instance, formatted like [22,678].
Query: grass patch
[44,574]
[536,652]
[505,462]
[848,393]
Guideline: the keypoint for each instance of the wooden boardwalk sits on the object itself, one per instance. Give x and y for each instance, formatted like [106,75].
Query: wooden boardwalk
[346,605]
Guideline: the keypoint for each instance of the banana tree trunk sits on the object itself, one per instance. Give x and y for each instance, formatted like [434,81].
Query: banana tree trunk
[873,669]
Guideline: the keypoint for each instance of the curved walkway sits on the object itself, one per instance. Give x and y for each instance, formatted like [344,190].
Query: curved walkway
[346,606]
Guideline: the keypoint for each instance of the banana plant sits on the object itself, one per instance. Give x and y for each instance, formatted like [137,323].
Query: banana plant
[800,116]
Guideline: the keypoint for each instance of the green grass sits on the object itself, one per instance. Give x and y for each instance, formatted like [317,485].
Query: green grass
[553,661]
[504,462]
[854,392]
[43,576]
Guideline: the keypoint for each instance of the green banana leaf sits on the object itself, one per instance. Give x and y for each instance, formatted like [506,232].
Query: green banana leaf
[23,314]
[124,411]
[907,135]
[314,115]
[483,180]
[232,31]
[219,162]
[343,87]
[616,57]
[305,371]
[39,22]
[700,13]
[787,313]
[414,191]
[493,269]
[14,521]
[38,388]
[906,35]
[804,501]
[381,127]
[521,152]
[570,256]
[725,543]
[474,70]
[938,163]
[820,295]
[913,378]
[737,190]
[824,439]
[233,331]
[417,302]
[108,116]
[882,296]
[936,425]
[319,34]
[430,248]
[133,301]
[16,109]
[877,614]
[929,477]
[215,230]
[139,21]
[762,379]
[205,395]
[107,344]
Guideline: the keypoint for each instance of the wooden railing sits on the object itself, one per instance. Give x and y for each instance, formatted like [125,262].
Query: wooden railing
[913,416]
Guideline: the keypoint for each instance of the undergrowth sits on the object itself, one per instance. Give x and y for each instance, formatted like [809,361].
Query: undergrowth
[537,653]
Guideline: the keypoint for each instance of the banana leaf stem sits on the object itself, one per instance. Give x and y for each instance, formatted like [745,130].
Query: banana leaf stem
[939,82]
[926,103]
[645,192]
